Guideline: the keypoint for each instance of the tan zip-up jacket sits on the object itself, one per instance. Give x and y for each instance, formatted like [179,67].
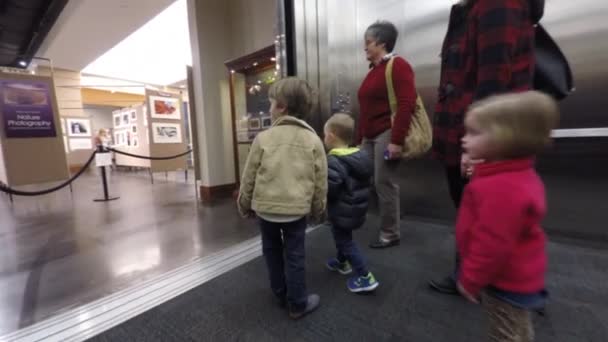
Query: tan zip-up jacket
[286,172]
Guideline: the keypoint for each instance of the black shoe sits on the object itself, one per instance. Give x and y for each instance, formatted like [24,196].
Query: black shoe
[379,244]
[311,305]
[445,286]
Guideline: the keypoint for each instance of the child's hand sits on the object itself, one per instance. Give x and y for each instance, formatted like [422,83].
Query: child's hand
[466,294]
[467,165]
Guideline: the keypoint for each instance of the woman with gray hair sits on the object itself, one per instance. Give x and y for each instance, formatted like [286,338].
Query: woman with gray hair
[381,132]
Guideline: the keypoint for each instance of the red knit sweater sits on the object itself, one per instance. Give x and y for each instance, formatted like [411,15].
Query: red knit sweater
[375,111]
[500,239]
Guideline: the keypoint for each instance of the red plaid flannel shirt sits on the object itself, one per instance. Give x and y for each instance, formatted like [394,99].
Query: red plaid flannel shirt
[488,49]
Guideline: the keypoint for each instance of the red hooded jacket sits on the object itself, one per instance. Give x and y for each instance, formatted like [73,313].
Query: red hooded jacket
[500,239]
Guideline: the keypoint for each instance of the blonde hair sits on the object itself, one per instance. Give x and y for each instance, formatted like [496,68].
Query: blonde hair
[520,123]
[342,126]
[293,93]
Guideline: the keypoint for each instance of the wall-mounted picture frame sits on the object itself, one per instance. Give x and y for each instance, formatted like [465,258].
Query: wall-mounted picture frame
[126,117]
[79,127]
[255,124]
[119,138]
[166,133]
[266,122]
[117,120]
[165,108]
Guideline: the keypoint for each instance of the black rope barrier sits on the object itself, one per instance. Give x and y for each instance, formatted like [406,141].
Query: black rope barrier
[10,191]
[6,189]
[147,157]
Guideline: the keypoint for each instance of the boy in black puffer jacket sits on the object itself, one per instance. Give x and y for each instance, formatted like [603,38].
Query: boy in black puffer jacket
[349,179]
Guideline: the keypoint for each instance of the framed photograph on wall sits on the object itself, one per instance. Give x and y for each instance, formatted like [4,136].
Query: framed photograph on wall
[81,144]
[165,108]
[125,119]
[166,133]
[119,138]
[266,122]
[79,127]
[117,120]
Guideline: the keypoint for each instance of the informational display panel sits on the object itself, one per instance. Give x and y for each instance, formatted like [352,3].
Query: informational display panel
[166,130]
[31,139]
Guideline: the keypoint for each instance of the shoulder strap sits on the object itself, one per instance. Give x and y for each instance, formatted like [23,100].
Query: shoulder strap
[392,98]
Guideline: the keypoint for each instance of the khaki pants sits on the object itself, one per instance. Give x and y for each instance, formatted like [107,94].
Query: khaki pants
[385,185]
[507,323]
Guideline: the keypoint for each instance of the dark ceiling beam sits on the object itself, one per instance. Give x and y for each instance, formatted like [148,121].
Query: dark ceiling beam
[42,24]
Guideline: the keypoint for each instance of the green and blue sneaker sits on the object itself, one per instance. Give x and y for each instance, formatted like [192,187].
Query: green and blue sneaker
[335,265]
[363,284]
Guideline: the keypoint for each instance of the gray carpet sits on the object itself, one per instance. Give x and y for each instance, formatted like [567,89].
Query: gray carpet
[237,306]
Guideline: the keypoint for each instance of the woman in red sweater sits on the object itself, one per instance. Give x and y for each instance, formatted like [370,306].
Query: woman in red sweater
[378,135]
[499,235]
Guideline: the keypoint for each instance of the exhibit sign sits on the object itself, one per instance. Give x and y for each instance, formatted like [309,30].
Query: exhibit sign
[27,109]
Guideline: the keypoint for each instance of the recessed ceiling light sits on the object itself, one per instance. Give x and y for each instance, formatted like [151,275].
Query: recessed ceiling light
[23,63]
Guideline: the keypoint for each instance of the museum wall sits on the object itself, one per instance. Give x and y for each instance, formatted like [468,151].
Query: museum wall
[69,102]
[221,31]
[101,116]
[254,27]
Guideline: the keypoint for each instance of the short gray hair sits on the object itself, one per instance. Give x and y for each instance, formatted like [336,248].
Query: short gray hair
[383,32]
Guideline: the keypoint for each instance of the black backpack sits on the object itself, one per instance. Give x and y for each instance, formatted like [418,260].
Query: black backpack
[552,74]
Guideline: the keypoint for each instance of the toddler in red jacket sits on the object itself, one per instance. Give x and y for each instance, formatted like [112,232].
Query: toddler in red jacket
[498,231]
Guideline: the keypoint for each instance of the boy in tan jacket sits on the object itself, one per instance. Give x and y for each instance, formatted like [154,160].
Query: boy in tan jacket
[284,182]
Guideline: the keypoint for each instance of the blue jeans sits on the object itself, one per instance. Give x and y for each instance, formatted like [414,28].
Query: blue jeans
[348,250]
[283,248]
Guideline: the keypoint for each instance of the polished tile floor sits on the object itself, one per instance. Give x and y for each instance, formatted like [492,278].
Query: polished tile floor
[63,250]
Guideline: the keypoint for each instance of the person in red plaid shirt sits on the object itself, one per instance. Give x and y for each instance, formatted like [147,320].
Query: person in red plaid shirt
[488,49]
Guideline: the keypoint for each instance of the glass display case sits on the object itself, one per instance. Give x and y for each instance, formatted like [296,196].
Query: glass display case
[250,79]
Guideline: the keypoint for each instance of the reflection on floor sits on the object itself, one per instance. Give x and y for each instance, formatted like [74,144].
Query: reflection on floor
[64,250]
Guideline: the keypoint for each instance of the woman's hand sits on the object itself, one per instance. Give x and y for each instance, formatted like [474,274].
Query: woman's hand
[394,151]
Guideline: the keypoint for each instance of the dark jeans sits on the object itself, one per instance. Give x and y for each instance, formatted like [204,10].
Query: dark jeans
[348,250]
[456,184]
[283,248]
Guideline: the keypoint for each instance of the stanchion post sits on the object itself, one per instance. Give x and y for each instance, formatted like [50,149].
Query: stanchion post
[104,179]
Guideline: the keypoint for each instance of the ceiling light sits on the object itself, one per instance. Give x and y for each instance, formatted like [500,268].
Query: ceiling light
[23,63]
